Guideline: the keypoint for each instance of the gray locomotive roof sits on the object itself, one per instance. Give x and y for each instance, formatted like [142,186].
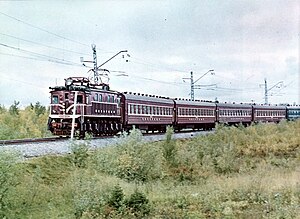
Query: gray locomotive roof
[148,98]
[194,103]
[234,105]
[268,107]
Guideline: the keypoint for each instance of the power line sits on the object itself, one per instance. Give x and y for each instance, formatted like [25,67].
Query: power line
[43,60]
[52,47]
[39,28]
[54,59]
[155,66]
[163,82]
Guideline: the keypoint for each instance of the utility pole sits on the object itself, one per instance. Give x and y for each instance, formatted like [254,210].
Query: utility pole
[266,92]
[193,82]
[96,76]
[278,85]
[96,69]
[192,87]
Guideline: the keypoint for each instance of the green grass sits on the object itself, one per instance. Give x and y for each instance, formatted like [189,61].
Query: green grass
[237,172]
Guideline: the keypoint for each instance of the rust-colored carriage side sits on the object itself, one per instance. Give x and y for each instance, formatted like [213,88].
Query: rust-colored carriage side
[232,113]
[147,112]
[195,114]
[268,113]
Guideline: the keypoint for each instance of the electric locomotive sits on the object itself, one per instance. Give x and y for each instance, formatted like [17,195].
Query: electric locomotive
[83,107]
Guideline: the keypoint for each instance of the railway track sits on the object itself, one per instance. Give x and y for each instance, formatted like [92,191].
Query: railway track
[57,145]
[31,140]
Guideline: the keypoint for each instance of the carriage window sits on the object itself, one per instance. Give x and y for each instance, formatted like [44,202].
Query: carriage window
[96,97]
[135,109]
[79,99]
[100,97]
[66,96]
[108,98]
[148,109]
[54,99]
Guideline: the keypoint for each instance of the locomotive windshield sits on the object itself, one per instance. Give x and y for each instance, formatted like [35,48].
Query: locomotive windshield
[55,99]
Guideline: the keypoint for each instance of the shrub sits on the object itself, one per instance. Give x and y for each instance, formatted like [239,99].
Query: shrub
[79,154]
[169,147]
[116,198]
[138,204]
[136,160]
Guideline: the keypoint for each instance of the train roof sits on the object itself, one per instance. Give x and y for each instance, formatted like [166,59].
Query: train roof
[147,98]
[268,107]
[194,103]
[235,105]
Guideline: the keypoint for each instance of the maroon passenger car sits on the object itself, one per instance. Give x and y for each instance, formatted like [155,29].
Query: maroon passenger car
[194,114]
[268,113]
[231,113]
[147,112]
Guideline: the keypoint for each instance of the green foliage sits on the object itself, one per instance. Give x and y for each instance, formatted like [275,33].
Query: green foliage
[136,161]
[28,123]
[138,204]
[14,108]
[236,172]
[79,154]
[38,108]
[9,173]
[2,109]
[169,147]
[116,199]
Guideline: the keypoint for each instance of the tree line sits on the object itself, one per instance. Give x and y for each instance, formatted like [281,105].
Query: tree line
[17,123]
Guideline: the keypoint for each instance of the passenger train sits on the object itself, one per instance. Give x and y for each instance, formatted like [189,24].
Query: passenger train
[83,107]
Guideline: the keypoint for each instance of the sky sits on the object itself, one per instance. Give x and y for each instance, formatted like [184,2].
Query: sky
[243,41]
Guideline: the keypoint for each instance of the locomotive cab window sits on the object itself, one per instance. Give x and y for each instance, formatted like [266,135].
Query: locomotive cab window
[79,99]
[55,99]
